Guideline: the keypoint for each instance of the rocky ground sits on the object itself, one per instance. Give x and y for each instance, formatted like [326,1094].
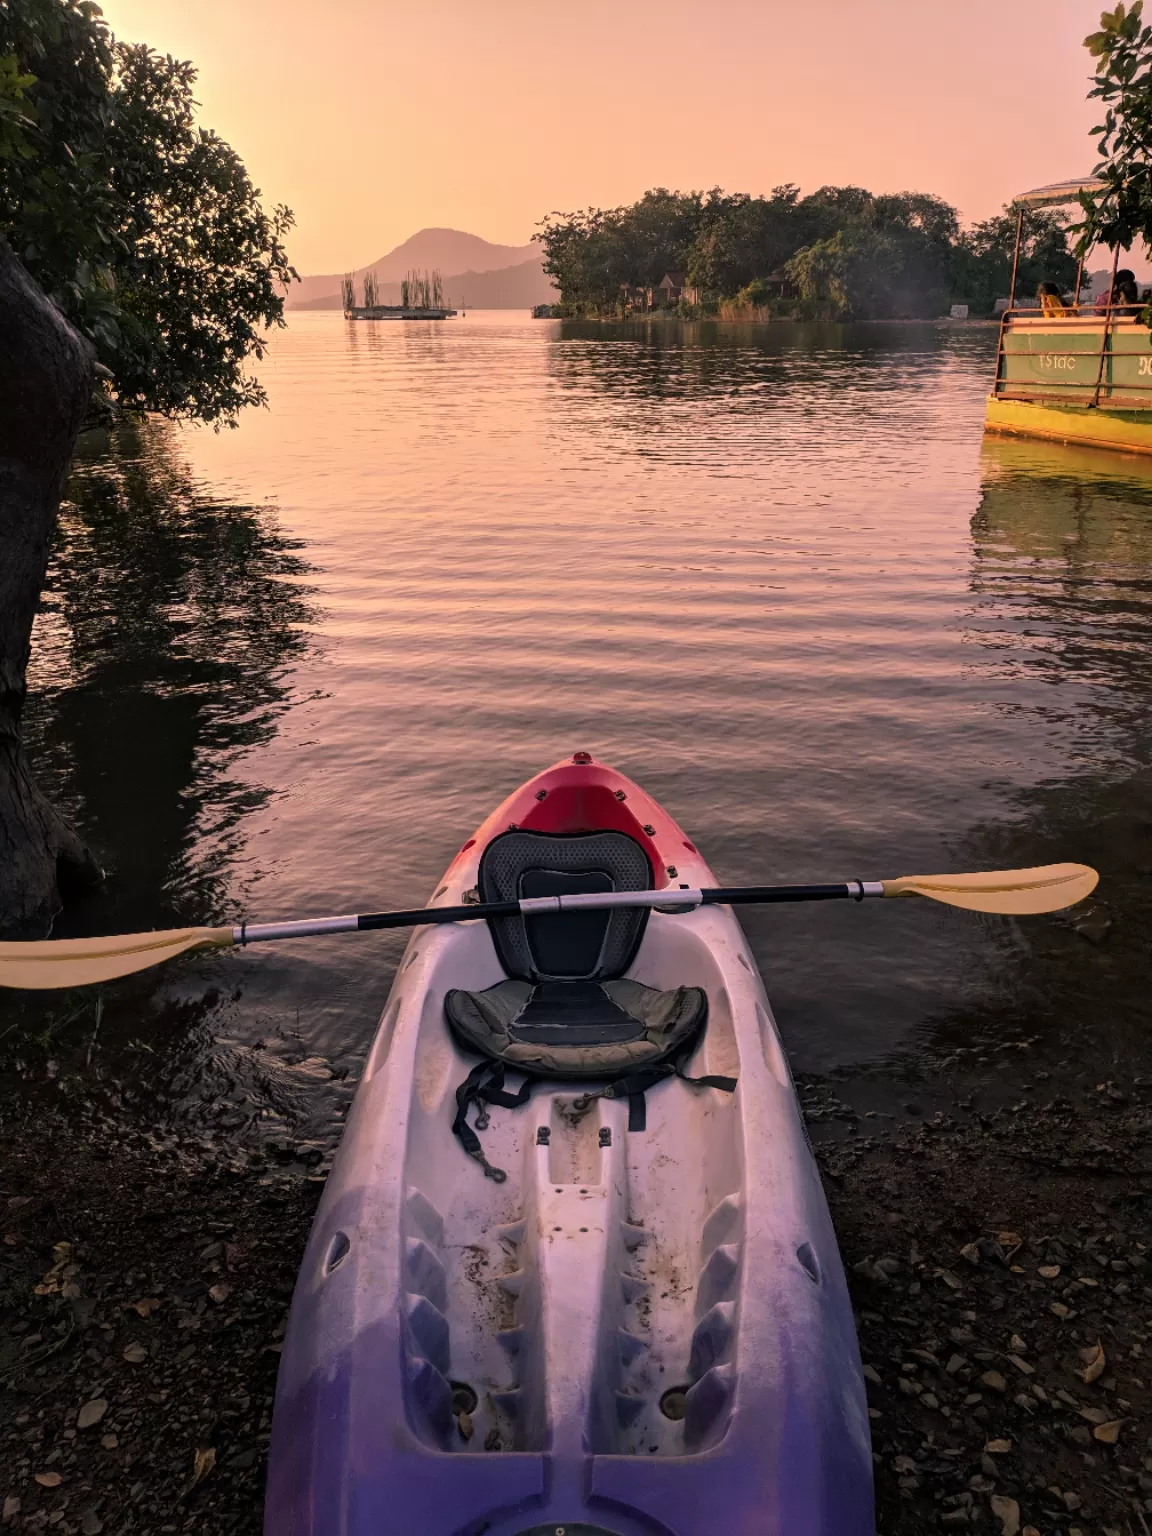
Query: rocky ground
[999,1266]
[996,1248]
[144,1288]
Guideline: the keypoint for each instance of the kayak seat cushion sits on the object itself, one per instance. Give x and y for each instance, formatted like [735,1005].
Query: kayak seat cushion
[577,1028]
[590,946]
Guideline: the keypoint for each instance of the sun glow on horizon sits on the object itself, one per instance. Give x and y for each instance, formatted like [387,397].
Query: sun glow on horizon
[374,121]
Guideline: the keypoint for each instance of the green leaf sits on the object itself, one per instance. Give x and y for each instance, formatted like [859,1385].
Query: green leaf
[143,225]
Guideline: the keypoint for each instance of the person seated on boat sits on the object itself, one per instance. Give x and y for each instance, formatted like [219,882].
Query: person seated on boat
[1124,296]
[1125,292]
[1051,299]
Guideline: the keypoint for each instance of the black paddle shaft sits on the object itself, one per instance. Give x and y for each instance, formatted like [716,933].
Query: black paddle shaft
[741,895]
[424,915]
[748,895]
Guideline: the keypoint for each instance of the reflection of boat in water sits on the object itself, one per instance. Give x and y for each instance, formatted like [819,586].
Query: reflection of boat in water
[1062,546]
[1083,514]
[1061,589]
[1077,373]
[1043,460]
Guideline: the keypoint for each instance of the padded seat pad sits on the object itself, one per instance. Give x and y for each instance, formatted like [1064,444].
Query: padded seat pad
[577,1028]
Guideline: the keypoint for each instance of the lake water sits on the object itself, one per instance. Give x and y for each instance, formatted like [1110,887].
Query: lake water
[776,575]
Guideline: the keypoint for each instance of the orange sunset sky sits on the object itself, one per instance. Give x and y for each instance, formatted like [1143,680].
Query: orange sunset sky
[373,119]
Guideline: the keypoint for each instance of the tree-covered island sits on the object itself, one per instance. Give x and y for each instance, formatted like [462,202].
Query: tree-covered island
[840,253]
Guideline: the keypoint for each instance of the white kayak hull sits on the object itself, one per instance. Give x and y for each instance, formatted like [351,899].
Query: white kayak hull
[642,1334]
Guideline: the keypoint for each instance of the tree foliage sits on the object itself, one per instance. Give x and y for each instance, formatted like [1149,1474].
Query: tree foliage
[142,227]
[846,251]
[890,256]
[744,238]
[1122,211]
[864,272]
[982,257]
[593,253]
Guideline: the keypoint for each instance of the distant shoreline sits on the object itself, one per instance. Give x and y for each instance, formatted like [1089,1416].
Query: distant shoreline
[974,322]
[940,322]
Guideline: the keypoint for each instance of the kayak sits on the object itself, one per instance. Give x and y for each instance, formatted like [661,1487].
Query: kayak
[573,1270]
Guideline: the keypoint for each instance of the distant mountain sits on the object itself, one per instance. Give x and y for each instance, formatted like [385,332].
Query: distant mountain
[516,287]
[443,250]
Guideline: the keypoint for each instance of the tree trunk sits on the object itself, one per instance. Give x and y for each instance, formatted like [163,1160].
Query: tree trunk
[46,378]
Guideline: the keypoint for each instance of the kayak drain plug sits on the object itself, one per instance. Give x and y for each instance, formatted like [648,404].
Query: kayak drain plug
[672,1404]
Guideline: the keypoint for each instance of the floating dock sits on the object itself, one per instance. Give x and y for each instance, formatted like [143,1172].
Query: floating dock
[396,312]
[421,298]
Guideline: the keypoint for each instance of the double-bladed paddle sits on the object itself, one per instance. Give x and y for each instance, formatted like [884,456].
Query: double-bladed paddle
[50,963]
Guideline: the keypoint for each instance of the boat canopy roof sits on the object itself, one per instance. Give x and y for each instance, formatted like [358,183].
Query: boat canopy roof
[1056,193]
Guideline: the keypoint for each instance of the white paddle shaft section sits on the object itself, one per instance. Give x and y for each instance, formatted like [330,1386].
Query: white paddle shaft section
[252,933]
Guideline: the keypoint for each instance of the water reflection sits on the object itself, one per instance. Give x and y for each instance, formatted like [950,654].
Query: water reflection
[1062,575]
[717,363]
[162,658]
[767,574]
[1062,580]
[163,662]
[723,397]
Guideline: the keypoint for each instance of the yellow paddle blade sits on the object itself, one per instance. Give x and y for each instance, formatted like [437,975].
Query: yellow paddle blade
[80,962]
[1047,888]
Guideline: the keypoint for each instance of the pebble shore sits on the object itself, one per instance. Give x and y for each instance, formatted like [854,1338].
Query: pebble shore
[997,1258]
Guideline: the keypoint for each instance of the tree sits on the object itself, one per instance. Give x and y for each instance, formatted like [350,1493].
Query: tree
[743,238]
[851,252]
[143,229]
[583,252]
[204,269]
[831,208]
[982,257]
[133,245]
[1122,211]
[849,274]
[868,273]
[657,233]
[46,377]
[56,209]
[930,216]
[593,254]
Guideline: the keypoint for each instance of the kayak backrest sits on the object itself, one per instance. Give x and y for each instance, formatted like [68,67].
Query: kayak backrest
[565,1010]
[587,946]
